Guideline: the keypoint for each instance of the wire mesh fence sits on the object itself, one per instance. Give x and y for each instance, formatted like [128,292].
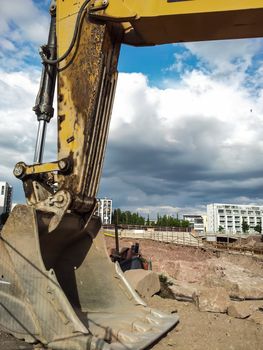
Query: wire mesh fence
[233,243]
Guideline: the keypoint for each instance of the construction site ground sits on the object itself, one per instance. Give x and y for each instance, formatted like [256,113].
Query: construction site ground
[191,268]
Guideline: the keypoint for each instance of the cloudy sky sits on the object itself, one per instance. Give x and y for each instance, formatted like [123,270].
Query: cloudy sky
[187,122]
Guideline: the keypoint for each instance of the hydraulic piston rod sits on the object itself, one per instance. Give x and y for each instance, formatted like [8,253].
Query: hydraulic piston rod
[40,142]
[44,101]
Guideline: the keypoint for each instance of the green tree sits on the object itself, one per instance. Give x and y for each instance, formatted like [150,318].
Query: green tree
[148,220]
[258,228]
[220,228]
[245,226]
[116,216]
[185,223]
[170,221]
[127,217]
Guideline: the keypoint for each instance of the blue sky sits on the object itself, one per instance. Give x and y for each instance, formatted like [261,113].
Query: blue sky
[154,61]
[186,126]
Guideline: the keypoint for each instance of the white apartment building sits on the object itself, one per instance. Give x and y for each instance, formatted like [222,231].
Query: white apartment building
[5,197]
[104,210]
[229,217]
[196,221]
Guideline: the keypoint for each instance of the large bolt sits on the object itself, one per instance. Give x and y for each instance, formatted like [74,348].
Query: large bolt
[60,198]
[62,164]
[19,169]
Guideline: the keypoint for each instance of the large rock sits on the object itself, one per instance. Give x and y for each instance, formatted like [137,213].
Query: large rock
[241,283]
[248,289]
[145,282]
[242,309]
[257,317]
[183,291]
[212,299]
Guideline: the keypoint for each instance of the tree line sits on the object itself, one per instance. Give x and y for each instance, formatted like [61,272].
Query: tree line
[129,218]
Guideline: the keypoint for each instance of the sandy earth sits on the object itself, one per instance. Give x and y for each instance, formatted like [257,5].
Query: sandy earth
[196,330]
[207,331]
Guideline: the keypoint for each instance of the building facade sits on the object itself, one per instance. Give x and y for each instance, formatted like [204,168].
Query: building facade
[5,197]
[104,210]
[196,222]
[234,218]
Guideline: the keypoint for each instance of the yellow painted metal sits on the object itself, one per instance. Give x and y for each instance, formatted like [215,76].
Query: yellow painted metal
[66,19]
[164,21]
[117,10]
[42,168]
[86,81]
[157,8]
[66,9]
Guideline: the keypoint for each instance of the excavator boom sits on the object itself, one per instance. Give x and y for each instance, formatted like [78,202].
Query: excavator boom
[60,288]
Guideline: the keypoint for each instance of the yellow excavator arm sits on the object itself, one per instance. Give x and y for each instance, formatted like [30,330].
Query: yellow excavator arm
[169,21]
[83,49]
[61,289]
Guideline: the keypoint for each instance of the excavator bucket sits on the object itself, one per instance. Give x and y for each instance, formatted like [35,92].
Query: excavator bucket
[61,290]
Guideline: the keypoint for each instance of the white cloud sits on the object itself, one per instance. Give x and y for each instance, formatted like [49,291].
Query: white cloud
[7,45]
[182,116]
[226,56]
[24,20]
[185,144]
[171,146]
[23,26]
[227,60]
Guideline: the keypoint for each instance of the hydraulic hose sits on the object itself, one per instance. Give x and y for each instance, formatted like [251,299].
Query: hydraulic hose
[73,40]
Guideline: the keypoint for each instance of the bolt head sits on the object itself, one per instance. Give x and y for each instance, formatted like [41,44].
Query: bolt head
[60,198]
[18,170]
[62,164]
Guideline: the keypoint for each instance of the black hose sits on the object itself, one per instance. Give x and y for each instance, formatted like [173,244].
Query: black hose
[73,41]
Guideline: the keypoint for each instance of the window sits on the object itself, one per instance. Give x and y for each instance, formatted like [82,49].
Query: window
[3,190]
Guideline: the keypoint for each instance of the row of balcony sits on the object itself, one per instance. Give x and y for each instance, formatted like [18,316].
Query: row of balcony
[242,212]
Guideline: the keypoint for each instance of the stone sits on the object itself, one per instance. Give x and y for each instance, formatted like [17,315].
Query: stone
[241,283]
[248,289]
[212,299]
[241,309]
[183,291]
[257,317]
[145,282]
